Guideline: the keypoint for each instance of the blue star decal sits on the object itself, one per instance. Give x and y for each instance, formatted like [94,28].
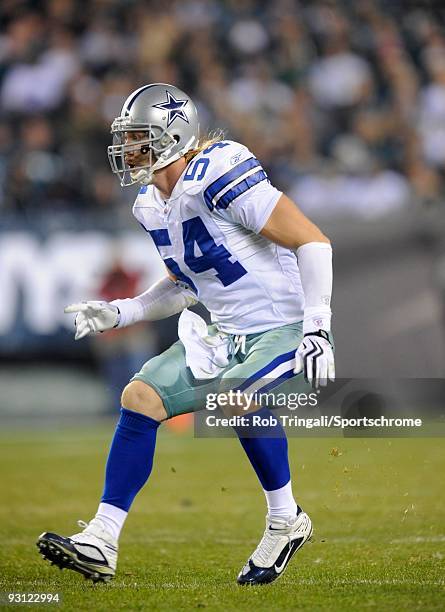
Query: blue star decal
[174,107]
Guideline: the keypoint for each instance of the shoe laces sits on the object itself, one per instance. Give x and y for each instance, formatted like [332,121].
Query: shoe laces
[265,548]
[95,528]
[93,525]
[269,541]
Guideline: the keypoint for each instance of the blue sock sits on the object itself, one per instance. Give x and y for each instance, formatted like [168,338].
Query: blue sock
[266,448]
[130,459]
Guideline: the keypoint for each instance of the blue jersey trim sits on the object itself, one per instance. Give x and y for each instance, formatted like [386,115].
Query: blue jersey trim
[241,188]
[229,177]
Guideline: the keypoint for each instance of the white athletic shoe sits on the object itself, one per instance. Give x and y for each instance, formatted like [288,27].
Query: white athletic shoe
[92,552]
[281,540]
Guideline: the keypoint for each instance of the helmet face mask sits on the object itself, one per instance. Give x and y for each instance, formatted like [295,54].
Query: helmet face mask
[157,125]
[129,155]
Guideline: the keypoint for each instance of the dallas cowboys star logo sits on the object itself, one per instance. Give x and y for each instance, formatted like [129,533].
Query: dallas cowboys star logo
[174,107]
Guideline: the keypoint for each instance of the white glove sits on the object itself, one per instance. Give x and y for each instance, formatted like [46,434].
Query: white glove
[315,358]
[93,317]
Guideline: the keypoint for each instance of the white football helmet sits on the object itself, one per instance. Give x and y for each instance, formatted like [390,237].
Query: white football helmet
[166,122]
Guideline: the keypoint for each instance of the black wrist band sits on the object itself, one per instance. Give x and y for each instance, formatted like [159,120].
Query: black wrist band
[321,333]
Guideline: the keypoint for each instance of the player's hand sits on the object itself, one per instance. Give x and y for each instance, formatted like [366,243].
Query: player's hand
[315,358]
[93,317]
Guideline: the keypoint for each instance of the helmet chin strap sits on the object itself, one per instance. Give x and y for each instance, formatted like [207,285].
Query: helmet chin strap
[143,176]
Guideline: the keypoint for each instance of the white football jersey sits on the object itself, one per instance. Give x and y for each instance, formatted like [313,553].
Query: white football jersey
[207,233]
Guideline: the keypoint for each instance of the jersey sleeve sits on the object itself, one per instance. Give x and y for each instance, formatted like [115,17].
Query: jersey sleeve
[236,187]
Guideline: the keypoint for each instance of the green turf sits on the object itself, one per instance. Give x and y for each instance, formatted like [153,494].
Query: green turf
[377,506]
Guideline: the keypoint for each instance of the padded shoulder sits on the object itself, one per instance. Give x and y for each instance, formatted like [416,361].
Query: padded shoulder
[221,171]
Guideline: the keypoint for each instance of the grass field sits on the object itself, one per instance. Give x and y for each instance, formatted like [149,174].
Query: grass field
[378,508]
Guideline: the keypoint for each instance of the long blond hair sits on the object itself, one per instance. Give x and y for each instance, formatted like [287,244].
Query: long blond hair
[211,138]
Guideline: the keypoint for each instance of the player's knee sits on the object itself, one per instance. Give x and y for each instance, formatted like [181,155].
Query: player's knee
[139,397]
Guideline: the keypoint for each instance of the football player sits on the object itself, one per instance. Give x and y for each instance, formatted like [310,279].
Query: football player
[230,240]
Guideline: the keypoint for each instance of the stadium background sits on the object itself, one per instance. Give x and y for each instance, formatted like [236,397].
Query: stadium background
[344,104]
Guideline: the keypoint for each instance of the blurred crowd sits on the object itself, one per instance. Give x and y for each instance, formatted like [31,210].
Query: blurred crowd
[342,101]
